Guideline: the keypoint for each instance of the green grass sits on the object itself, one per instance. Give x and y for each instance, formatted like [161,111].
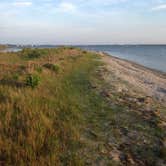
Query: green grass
[64,120]
[40,125]
[52,67]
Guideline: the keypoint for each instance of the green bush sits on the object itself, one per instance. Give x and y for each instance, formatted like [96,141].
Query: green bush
[53,67]
[32,80]
[33,53]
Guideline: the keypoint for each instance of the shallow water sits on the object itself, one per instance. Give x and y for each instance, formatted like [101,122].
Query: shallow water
[14,49]
[152,56]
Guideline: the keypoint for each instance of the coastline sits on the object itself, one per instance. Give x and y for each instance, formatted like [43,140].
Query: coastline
[84,104]
[149,81]
[155,71]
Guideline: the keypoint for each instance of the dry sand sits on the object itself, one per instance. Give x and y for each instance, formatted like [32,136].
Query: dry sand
[151,82]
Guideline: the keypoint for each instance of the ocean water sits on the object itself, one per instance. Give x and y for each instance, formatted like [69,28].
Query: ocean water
[152,56]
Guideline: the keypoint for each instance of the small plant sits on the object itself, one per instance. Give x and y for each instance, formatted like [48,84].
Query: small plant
[16,76]
[32,80]
[53,67]
[39,69]
[34,54]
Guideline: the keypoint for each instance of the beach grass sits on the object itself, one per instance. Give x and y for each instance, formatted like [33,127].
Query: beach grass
[54,111]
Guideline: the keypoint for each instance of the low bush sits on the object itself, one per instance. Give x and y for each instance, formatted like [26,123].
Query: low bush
[33,53]
[32,80]
[53,67]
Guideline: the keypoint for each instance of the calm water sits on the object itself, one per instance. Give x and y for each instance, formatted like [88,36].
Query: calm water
[14,49]
[152,56]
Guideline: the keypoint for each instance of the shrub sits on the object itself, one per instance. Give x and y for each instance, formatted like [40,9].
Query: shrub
[53,67]
[32,80]
[33,53]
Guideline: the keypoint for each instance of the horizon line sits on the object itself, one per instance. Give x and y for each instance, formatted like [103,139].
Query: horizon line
[80,44]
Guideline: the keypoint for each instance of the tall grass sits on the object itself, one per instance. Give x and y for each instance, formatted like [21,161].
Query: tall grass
[41,126]
[62,120]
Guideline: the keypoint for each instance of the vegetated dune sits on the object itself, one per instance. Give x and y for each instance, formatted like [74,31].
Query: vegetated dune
[67,106]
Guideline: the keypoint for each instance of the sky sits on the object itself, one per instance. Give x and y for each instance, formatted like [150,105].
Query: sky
[83,22]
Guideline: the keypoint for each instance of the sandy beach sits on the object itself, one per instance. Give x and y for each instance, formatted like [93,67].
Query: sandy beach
[151,82]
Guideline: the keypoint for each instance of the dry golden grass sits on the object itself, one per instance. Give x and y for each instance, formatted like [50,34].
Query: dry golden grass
[67,119]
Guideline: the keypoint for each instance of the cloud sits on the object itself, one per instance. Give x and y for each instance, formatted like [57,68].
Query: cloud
[66,7]
[22,3]
[159,7]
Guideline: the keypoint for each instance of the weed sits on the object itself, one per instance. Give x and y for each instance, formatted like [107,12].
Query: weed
[39,69]
[53,67]
[32,80]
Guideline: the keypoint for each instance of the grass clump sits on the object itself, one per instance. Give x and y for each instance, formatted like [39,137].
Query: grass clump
[39,69]
[32,80]
[53,67]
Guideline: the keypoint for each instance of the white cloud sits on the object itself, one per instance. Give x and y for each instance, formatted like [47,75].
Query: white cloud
[66,7]
[159,7]
[22,3]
